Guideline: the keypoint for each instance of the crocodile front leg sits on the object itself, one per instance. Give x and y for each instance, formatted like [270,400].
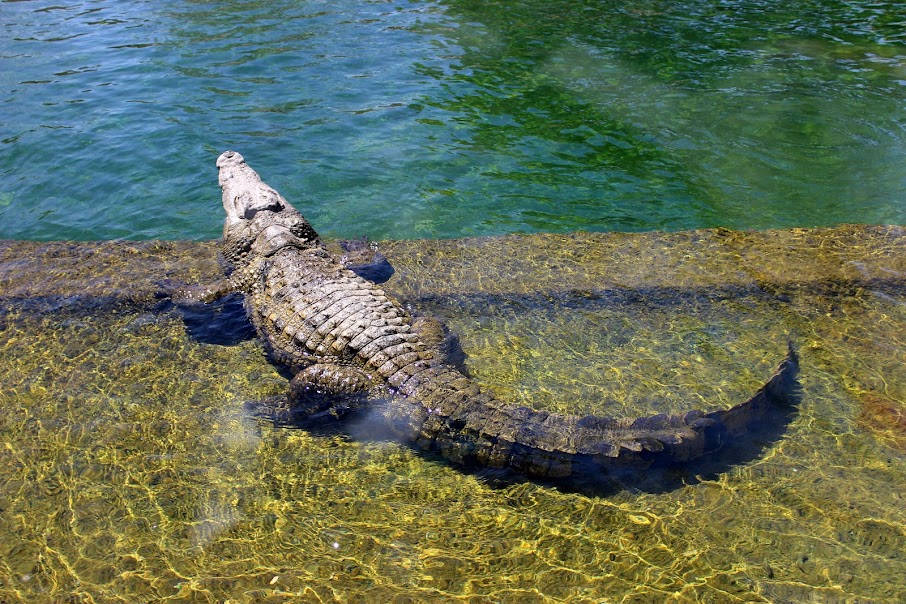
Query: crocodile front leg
[238,281]
[195,294]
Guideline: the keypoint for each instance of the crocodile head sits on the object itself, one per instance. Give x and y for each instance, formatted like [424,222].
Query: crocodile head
[259,221]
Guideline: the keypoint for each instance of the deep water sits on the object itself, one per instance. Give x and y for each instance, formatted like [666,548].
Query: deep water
[411,119]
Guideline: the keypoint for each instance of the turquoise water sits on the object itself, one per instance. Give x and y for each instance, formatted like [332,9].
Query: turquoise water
[408,119]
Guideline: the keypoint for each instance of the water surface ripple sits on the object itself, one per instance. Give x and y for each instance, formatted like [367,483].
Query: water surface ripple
[416,119]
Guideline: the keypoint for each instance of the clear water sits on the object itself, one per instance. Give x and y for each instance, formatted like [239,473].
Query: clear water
[129,472]
[409,119]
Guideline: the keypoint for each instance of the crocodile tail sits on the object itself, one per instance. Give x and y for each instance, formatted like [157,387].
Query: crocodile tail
[669,440]
[473,429]
[780,392]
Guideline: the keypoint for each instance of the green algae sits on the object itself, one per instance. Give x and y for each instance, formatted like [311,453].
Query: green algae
[129,471]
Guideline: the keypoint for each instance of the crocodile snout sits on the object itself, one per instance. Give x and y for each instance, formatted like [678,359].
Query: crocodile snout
[244,195]
[229,158]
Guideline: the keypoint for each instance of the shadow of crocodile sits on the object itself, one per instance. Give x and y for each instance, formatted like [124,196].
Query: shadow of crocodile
[745,443]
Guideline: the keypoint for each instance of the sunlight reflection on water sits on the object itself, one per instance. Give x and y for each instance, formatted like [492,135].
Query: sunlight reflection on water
[447,119]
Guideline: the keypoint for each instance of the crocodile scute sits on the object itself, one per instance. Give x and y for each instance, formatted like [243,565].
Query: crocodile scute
[350,346]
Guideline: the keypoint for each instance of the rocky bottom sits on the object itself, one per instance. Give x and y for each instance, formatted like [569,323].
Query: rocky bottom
[130,471]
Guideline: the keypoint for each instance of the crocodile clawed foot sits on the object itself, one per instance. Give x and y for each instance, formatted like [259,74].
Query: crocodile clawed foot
[278,410]
[363,258]
[273,408]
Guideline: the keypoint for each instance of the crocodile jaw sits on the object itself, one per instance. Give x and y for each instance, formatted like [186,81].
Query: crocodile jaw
[244,195]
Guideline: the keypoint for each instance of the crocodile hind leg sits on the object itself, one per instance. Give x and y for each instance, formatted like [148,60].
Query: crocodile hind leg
[442,342]
[321,393]
[327,391]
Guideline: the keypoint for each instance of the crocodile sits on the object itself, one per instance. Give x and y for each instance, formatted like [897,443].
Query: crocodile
[350,347]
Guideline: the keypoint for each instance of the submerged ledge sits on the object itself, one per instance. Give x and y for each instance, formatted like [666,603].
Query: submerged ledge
[513,264]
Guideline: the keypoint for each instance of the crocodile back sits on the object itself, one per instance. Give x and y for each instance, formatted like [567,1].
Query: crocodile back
[309,308]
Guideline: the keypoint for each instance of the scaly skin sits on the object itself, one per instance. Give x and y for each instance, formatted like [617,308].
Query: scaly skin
[349,346]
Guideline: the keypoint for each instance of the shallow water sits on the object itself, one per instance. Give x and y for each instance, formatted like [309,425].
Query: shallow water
[130,473]
[414,119]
